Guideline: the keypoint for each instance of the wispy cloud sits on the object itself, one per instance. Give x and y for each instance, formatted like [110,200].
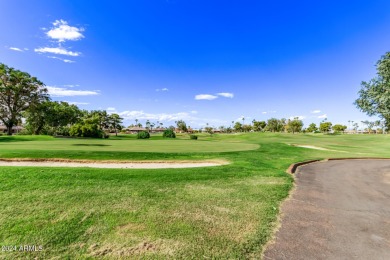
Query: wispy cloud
[162,89]
[111,109]
[64,60]
[246,118]
[315,111]
[226,94]
[323,116]
[170,118]
[215,96]
[205,97]
[62,31]
[64,92]
[76,103]
[15,49]
[299,117]
[268,112]
[57,50]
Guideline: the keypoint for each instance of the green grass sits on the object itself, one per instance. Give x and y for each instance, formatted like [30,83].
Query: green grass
[217,212]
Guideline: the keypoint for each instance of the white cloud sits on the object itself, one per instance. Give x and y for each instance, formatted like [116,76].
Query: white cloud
[111,109]
[76,103]
[194,112]
[64,92]
[226,95]
[170,118]
[323,116]
[205,97]
[315,111]
[299,117]
[268,112]
[57,50]
[246,118]
[162,89]
[63,32]
[61,59]
[71,86]
[15,49]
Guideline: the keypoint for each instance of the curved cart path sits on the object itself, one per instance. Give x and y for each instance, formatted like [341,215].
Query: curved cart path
[339,210]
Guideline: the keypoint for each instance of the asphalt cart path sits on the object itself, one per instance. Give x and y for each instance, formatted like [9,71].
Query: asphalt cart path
[339,210]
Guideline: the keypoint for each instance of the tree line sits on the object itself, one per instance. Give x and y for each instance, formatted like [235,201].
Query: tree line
[23,96]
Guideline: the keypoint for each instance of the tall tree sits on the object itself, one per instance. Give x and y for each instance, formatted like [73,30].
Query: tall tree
[51,116]
[181,125]
[275,125]
[294,125]
[238,127]
[325,126]
[115,122]
[312,128]
[374,95]
[18,92]
[258,125]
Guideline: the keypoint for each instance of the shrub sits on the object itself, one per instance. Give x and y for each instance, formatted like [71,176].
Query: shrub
[193,137]
[169,133]
[86,130]
[143,135]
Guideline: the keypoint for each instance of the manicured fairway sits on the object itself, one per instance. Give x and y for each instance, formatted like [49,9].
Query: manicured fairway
[218,212]
[48,147]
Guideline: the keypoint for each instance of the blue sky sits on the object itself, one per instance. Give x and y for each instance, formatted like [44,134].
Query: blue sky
[201,61]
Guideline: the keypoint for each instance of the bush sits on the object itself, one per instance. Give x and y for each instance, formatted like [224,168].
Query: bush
[86,130]
[169,133]
[193,137]
[143,135]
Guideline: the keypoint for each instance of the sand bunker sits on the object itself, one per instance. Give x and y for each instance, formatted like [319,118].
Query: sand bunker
[313,147]
[317,148]
[109,164]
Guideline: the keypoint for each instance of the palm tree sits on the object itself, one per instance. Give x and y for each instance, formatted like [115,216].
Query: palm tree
[243,120]
[147,124]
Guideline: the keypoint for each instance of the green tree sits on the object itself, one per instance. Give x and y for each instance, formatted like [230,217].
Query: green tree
[259,125]
[374,95]
[325,127]
[294,125]
[18,92]
[182,126]
[52,116]
[209,130]
[237,127]
[115,122]
[275,125]
[312,128]
[246,128]
[339,128]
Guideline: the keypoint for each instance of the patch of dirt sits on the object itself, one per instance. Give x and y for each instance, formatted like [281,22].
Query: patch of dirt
[315,148]
[110,164]
[158,247]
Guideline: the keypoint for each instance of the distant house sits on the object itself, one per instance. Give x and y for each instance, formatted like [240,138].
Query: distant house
[135,130]
[15,129]
[158,130]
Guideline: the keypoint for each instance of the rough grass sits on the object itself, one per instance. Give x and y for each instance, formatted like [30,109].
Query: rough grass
[219,212]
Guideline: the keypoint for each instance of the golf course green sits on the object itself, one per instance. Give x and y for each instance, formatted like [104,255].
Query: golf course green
[227,211]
